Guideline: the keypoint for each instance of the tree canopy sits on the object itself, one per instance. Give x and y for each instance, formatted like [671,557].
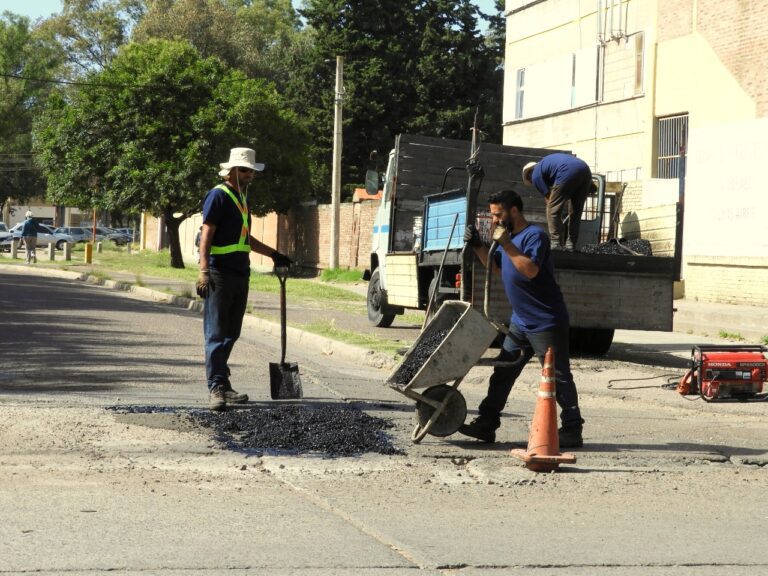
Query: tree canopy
[24,57]
[148,133]
[410,65]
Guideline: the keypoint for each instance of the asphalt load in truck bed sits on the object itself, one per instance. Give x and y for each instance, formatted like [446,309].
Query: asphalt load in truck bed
[322,429]
[637,247]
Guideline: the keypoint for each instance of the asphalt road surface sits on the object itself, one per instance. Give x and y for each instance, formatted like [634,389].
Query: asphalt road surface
[664,485]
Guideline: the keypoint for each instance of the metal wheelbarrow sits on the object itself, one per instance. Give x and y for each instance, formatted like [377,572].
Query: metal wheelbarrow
[447,349]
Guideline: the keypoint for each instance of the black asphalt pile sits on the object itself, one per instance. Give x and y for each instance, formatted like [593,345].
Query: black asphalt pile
[637,247]
[328,430]
[423,349]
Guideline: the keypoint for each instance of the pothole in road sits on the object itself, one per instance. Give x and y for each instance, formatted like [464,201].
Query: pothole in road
[281,430]
[324,430]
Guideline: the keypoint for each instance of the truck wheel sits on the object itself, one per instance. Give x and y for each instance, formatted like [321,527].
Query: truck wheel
[378,315]
[594,341]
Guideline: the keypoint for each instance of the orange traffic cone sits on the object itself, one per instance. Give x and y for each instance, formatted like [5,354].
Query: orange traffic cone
[543,454]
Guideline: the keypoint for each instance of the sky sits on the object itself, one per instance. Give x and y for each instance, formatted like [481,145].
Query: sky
[44,8]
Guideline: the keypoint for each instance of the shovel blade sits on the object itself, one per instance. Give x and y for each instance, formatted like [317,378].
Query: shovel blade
[284,381]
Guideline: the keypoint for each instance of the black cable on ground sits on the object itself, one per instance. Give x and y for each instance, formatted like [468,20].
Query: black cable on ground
[671,383]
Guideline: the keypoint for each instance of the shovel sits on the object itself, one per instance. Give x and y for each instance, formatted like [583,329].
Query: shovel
[284,380]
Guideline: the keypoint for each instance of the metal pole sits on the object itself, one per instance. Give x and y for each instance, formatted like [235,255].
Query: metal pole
[336,168]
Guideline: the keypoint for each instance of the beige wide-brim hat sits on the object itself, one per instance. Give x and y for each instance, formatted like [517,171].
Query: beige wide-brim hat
[527,171]
[240,158]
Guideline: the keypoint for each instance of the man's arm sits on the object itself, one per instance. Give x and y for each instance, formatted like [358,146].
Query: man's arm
[206,239]
[523,263]
[260,247]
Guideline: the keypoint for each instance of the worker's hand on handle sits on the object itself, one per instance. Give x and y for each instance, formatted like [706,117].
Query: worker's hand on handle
[204,284]
[280,260]
[472,237]
[501,235]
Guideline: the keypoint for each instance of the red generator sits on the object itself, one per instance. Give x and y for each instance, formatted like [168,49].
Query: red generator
[720,373]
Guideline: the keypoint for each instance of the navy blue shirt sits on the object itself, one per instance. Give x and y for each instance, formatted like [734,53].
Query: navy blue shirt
[30,228]
[558,168]
[220,210]
[537,303]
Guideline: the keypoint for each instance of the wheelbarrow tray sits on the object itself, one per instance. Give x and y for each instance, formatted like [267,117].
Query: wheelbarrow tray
[463,336]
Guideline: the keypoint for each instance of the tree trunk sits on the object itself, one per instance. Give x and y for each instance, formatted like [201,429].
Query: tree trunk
[174,245]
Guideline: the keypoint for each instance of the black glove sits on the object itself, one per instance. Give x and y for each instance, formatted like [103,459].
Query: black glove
[472,237]
[204,284]
[280,260]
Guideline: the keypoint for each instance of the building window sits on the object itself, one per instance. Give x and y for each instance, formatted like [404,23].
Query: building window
[639,62]
[519,93]
[672,144]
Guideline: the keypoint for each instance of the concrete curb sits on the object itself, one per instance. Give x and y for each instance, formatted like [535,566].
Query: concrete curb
[294,336]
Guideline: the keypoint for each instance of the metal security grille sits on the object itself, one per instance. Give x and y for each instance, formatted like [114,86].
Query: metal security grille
[672,140]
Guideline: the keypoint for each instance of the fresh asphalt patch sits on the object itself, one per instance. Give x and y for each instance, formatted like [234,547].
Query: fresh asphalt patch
[288,429]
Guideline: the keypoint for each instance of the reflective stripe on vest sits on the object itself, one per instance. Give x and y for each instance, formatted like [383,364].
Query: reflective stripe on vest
[243,245]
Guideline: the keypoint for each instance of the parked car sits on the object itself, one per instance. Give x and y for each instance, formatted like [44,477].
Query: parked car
[110,234]
[79,234]
[46,235]
[4,233]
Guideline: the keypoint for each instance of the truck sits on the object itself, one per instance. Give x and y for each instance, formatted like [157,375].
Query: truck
[433,187]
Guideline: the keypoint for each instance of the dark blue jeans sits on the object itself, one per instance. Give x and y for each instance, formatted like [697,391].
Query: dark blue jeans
[222,322]
[519,347]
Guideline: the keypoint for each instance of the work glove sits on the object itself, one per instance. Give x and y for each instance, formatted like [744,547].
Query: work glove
[280,260]
[472,237]
[204,284]
[501,235]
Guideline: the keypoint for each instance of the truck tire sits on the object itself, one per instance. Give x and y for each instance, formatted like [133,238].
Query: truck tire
[593,341]
[378,313]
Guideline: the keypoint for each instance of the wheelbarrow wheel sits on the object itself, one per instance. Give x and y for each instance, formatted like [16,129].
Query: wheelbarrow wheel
[443,420]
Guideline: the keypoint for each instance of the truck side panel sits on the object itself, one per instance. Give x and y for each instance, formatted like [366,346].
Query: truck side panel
[402,280]
[619,299]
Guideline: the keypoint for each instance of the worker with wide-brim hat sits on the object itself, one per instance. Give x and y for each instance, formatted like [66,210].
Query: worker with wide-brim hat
[225,267]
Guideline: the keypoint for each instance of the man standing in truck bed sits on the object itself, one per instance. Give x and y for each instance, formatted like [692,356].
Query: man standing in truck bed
[565,182]
[539,317]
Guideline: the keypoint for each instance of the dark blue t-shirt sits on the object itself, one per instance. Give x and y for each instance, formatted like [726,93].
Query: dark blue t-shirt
[30,228]
[537,303]
[220,210]
[559,168]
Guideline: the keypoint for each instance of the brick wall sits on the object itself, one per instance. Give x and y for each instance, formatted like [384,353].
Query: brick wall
[311,234]
[737,31]
[728,280]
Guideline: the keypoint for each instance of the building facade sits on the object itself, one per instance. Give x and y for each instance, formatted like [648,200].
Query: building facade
[669,97]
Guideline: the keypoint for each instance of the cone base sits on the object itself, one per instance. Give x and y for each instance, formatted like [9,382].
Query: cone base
[542,463]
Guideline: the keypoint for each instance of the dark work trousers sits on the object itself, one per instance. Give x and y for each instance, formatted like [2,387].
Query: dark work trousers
[567,199]
[520,347]
[222,322]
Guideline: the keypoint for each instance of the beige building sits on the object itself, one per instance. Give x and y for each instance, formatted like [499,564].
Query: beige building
[629,86]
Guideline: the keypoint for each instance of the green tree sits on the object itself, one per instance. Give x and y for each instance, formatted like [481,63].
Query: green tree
[259,37]
[24,59]
[148,132]
[91,31]
[410,65]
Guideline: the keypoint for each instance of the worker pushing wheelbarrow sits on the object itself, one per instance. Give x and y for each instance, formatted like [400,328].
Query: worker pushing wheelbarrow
[451,343]
[458,335]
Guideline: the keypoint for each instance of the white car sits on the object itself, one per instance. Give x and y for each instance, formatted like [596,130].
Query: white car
[4,233]
[45,236]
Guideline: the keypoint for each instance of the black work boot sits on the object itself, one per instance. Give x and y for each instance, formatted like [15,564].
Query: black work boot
[480,429]
[570,437]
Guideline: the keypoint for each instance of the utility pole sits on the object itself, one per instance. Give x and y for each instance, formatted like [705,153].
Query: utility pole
[336,167]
